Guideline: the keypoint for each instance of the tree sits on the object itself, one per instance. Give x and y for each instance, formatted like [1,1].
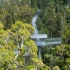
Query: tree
[63,52]
[7,56]
[21,32]
[34,4]
[18,51]
[11,11]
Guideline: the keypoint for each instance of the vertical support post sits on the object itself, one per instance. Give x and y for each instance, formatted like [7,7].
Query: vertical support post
[39,52]
[24,63]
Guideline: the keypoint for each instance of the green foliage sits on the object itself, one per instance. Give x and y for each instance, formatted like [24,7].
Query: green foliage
[6,58]
[1,26]
[17,38]
[56,68]
[34,4]
[66,33]
[54,20]
[11,11]
[30,67]
[21,32]
[57,56]
[64,56]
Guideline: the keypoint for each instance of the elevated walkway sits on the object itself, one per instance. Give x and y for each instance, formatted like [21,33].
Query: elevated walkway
[43,41]
[51,41]
[39,36]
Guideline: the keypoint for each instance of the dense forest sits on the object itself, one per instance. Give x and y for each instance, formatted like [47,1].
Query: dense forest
[16,29]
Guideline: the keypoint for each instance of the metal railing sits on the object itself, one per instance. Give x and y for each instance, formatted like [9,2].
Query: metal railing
[53,39]
[49,42]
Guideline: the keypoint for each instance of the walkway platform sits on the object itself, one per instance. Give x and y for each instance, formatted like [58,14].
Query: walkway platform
[37,36]
[51,41]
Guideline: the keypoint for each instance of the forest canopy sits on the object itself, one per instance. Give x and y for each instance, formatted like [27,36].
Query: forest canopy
[16,29]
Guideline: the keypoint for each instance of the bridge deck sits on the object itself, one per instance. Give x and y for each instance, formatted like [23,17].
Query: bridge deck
[38,36]
[49,42]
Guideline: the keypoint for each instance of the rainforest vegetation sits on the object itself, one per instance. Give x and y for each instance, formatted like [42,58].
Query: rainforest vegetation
[16,29]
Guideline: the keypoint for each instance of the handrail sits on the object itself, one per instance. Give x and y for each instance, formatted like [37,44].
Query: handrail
[54,39]
[45,43]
